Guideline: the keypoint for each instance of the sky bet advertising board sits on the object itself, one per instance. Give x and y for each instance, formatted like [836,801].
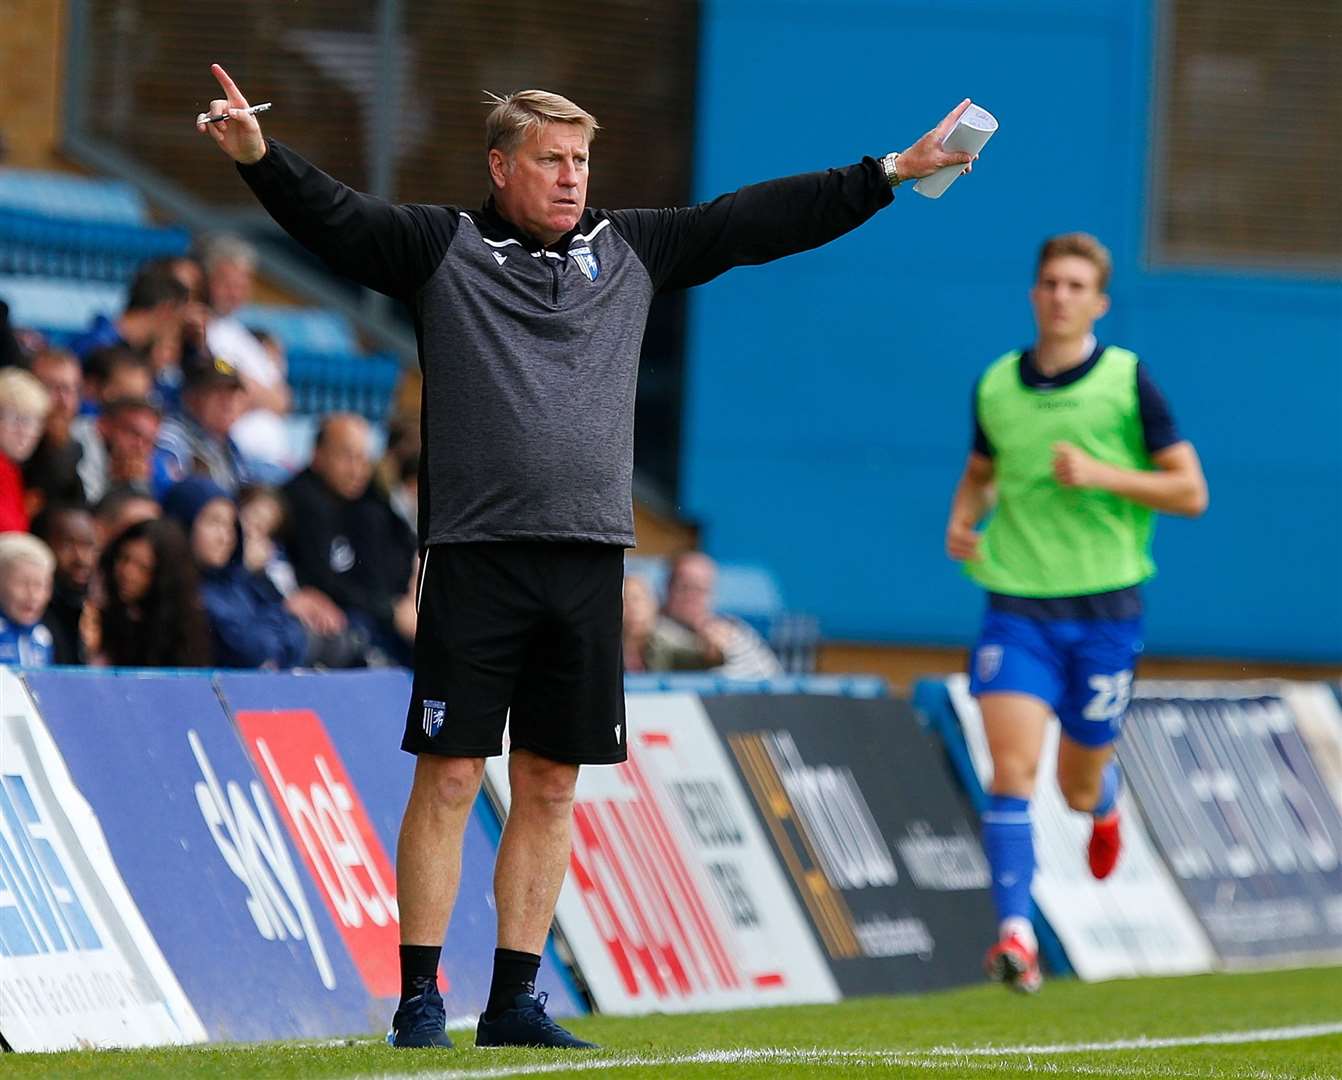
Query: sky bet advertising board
[327,747]
[207,855]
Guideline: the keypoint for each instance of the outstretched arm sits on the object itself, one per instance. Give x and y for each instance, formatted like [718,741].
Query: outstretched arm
[762,222]
[386,247]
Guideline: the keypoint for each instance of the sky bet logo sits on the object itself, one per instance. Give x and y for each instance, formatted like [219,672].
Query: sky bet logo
[330,827]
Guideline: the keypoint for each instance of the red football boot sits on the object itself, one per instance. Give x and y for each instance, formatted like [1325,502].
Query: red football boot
[1105,845]
[1014,964]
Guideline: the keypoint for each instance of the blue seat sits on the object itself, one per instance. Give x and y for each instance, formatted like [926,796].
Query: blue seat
[57,304]
[310,330]
[325,382]
[33,244]
[62,195]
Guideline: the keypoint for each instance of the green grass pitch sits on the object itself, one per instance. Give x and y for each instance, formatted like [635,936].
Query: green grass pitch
[1264,1026]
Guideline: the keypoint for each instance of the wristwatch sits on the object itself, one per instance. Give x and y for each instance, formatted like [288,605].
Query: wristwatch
[891,173]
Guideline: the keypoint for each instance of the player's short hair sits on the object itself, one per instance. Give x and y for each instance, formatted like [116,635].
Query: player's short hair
[24,547]
[1082,245]
[513,118]
[23,393]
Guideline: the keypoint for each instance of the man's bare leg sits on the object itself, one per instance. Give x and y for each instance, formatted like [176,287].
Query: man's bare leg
[428,852]
[534,849]
[533,857]
[428,871]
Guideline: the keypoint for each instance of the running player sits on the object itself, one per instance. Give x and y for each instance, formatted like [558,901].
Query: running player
[1074,450]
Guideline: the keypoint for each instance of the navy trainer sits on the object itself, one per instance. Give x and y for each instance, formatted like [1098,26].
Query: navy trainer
[419,1022]
[526,1024]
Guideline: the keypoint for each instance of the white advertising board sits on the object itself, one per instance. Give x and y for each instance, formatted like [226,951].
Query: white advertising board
[78,965]
[674,901]
[1136,921]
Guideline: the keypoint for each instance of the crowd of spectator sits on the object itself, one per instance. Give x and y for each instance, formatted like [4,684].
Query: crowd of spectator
[151,514]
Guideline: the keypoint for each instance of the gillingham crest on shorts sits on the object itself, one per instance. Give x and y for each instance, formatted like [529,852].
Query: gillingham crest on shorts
[586,261]
[989,661]
[435,712]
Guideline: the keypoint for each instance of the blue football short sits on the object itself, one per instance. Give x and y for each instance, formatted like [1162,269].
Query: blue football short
[1082,669]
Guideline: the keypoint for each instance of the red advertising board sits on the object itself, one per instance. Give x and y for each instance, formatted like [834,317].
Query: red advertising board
[331,829]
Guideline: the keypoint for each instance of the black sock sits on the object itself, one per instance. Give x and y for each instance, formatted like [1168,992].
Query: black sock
[419,968]
[514,973]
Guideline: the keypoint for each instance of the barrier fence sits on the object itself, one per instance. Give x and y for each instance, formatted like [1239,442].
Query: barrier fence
[209,856]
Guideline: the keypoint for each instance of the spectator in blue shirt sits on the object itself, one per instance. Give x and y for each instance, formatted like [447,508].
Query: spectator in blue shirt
[26,569]
[251,625]
[197,442]
[151,323]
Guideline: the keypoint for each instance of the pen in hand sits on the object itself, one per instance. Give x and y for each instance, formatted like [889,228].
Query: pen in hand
[251,110]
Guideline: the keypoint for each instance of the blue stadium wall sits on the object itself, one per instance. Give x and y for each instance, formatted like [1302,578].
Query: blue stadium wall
[828,395]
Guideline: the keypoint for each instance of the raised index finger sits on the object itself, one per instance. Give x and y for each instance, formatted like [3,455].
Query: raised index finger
[943,129]
[230,88]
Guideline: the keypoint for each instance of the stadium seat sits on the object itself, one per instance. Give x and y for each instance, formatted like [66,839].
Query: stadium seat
[706,683]
[41,246]
[324,382]
[61,195]
[60,305]
[310,330]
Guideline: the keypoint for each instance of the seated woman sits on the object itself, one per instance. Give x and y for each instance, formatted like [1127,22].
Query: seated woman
[149,613]
[250,624]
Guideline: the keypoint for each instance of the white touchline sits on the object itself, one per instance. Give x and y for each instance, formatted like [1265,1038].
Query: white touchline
[936,1057]
[1215,1038]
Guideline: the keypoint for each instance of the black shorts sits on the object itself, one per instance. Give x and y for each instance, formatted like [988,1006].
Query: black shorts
[531,627]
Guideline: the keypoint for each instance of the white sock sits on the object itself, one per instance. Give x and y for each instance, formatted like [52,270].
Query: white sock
[1020,928]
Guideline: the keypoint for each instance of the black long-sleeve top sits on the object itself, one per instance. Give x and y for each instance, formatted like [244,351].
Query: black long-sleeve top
[530,352]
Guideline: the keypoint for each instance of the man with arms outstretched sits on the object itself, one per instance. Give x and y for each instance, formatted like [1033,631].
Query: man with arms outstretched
[530,315]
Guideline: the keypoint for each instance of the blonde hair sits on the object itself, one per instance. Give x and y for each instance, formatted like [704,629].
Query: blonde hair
[1082,245]
[23,393]
[25,547]
[514,117]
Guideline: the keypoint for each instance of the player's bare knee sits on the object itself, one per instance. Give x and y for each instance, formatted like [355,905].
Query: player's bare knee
[1081,797]
[1014,778]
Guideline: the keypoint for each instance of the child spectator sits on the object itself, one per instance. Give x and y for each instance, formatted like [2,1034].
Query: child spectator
[26,567]
[150,613]
[24,403]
